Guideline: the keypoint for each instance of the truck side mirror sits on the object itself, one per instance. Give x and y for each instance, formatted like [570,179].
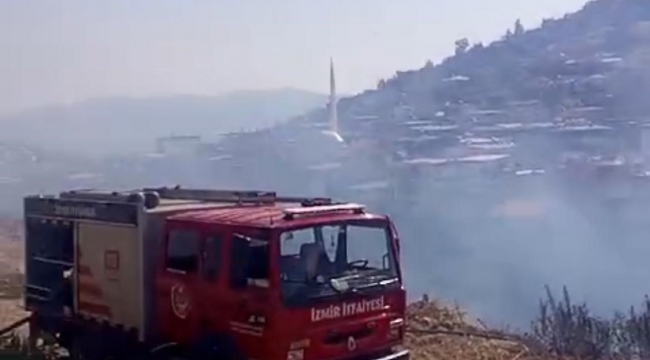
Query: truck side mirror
[239,261]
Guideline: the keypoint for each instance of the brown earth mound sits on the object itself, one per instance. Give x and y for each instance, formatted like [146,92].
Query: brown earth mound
[440,332]
[11,272]
[11,229]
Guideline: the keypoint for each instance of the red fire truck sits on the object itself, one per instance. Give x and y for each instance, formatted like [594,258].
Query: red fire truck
[207,274]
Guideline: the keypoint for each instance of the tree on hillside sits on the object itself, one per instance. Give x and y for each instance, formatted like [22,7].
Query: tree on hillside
[519,29]
[461,46]
[479,45]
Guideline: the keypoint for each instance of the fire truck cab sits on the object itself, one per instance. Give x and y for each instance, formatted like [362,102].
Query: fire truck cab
[225,274]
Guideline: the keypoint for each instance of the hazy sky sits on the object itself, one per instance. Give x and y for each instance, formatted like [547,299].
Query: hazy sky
[65,51]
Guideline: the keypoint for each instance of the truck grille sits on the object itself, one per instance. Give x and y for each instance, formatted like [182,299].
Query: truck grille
[336,337]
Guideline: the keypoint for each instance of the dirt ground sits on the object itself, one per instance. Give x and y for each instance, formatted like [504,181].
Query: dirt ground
[11,272]
[440,332]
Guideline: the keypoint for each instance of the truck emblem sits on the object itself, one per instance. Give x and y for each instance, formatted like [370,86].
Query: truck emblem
[180,301]
[352,344]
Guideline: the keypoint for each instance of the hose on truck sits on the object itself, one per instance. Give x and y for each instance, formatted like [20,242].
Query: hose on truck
[480,334]
[15,325]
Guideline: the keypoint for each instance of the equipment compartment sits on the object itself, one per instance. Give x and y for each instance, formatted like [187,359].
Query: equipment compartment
[49,250]
[51,235]
[108,268]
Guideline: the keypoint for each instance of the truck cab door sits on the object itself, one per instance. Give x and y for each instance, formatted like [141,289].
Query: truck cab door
[249,286]
[211,282]
[179,307]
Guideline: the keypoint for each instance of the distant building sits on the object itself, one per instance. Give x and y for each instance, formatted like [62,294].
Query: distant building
[178,144]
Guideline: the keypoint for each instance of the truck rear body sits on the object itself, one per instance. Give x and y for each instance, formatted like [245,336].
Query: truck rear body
[280,278]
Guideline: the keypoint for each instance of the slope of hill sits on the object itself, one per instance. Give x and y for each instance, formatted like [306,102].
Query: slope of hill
[593,59]
[125,124]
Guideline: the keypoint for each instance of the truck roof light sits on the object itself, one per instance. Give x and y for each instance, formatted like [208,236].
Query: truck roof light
[235,196]
[292,213]
[152,196]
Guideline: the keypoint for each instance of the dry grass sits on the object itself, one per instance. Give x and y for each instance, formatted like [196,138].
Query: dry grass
[569,329]
[11,272]
[440,332]
[562,330]
[13,345]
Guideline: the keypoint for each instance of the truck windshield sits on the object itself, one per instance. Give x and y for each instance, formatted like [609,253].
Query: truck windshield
[326,260]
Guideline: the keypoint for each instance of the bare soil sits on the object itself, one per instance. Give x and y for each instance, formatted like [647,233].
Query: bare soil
[11,272]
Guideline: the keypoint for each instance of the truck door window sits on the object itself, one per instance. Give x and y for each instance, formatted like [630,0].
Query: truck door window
[249,262]
[212,257]
[183,249]
[291,241]
[306,254]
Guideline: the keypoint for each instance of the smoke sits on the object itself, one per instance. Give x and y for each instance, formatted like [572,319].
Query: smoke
[547,230]
[492,240]
[487,240]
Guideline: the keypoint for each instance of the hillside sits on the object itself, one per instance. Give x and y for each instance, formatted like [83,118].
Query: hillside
[573,89]
[98,126]
[593,60]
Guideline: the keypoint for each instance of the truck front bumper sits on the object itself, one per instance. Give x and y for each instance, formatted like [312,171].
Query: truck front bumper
[398,355]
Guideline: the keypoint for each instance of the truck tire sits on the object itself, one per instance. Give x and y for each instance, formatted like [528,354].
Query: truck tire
[211,347]
[164,353]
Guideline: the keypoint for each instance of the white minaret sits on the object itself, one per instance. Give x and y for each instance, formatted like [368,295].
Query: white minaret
[333,120]
[333,116]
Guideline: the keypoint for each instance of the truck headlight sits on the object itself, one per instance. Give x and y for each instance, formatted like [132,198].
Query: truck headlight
[297,349]
[396,328]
